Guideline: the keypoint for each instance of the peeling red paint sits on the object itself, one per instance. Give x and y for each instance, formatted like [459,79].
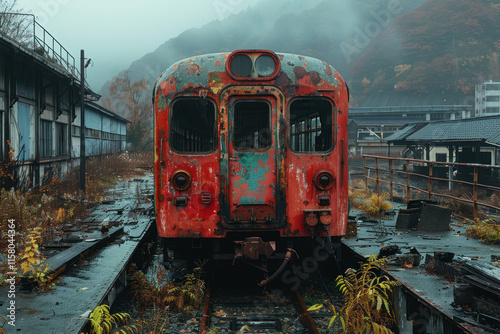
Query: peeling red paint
[300,72]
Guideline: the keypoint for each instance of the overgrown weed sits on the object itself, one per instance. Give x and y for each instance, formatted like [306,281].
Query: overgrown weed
[103,322]
[374,205]
[487,230]
[157,291]
[367,306]
[45,210]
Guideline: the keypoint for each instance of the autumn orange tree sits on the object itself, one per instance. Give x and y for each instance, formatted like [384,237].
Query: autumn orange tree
[132,100]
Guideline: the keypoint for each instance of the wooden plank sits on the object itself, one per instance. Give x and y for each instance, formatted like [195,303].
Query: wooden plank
[482,284]
[65,259]
[475,324]
[489,273]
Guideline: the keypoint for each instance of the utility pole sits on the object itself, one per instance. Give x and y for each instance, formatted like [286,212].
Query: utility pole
[82,122]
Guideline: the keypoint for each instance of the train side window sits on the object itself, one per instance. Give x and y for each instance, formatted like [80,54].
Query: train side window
[252,125]
[193,126]
[311,125]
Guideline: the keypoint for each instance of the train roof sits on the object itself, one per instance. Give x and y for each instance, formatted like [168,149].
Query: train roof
[209,71]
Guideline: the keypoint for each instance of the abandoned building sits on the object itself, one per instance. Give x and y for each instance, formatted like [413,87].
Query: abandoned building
[382,114]
[472,140]
[40,111]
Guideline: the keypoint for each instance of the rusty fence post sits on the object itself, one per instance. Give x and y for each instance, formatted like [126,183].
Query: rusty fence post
[377,182]
[429,188]
[475,192]
[408,195]
[390,176]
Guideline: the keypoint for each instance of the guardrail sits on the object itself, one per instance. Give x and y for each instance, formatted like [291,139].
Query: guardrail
[40,41]
[436,179]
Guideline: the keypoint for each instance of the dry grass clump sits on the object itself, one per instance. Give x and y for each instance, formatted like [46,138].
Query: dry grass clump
[376,205]
[357,192]
[372,204]
[487,230]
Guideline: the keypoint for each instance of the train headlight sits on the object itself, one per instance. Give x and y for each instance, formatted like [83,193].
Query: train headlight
[253,65]
[241,65]
[323,179]
[265,65]
[181,180]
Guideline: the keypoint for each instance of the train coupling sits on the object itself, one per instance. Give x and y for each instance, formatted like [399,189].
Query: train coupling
[253,248]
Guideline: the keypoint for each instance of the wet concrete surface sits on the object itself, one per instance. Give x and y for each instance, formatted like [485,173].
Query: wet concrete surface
[434,290]
[84,286]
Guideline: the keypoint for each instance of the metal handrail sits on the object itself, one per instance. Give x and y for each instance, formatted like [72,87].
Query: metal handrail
[429,179]
[51,49]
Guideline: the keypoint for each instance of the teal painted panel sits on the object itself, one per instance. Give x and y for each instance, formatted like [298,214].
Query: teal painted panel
[25,131]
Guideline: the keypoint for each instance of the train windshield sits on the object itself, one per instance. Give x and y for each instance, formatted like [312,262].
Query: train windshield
[252,125]
[193,126]
[311,125]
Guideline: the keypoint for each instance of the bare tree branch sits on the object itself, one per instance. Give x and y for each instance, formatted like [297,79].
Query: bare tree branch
[15,26]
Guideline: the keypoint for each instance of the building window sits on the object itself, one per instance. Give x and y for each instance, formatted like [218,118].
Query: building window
[46,139]
[192,126]
[1,137]
[92,133]
[493,98]
[492,110]
[2,74]
[48,93]
[25,82]
[492,87]
[311,125]
[441,157]
[437,116]
[62,139]
[75,131]
[63,100]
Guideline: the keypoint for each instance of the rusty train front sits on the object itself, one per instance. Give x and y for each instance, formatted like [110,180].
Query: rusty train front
[250,154]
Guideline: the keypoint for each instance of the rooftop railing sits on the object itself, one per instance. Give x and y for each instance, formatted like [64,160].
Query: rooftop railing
[24,29]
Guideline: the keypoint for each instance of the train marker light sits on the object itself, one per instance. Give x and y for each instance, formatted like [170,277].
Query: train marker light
[323,179]
[181,180]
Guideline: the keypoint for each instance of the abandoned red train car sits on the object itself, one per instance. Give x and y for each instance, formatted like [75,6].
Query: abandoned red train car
[250,153]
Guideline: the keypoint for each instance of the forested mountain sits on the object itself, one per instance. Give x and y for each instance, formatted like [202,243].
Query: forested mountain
[444,47]
[409,47]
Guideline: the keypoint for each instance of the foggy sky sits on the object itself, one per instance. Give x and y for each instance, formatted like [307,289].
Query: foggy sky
[114,33]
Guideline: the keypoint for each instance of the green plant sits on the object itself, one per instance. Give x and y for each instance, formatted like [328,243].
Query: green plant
[102,322]
[189,295]
[367,305]
[154,291]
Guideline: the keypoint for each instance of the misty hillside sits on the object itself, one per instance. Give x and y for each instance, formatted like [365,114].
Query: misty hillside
[438,52]
[326,29]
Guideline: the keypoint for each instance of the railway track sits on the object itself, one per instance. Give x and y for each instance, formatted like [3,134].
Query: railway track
[237,305]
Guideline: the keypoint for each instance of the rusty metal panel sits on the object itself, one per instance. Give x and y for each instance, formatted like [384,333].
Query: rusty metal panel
[243,183]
